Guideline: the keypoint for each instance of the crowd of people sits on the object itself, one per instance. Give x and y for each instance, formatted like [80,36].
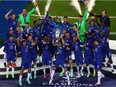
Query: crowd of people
[89,45]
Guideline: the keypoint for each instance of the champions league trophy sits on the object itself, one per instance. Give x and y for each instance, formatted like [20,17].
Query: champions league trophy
[57,35]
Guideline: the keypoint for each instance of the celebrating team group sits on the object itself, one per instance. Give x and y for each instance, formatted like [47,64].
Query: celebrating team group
[52,39]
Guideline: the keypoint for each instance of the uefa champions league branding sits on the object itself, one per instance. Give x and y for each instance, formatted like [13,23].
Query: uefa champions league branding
[63,83]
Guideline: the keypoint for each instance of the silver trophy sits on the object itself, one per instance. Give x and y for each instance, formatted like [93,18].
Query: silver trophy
[57,36]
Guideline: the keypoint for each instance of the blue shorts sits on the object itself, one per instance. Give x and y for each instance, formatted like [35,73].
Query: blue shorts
[89,60]
[46,59]
[103,55]
[33,58]
[10,58]
[60,62]
[98,63]
[106,53]
[25,64]
[79,59]
[68,55]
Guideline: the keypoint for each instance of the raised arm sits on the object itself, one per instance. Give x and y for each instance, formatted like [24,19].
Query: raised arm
[98,16]
[31,11]
[85,15]
[6,16]
[42,22]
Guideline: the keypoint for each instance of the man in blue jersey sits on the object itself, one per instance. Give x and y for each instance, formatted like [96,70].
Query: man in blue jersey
[25,63]
[12,20]
[46,54]
[11,32]
[106,50]
[58,23]
[48,27]
[73,31]
[18,37]
[36,32]
[104,29]
[92,26]
[93,36]
[67,40]
[77,48]
[65,23]
[26,30]
[98,60]
[32,44]
[89,58]
[10,50]
[60,60]
[18,33]
[27,26]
